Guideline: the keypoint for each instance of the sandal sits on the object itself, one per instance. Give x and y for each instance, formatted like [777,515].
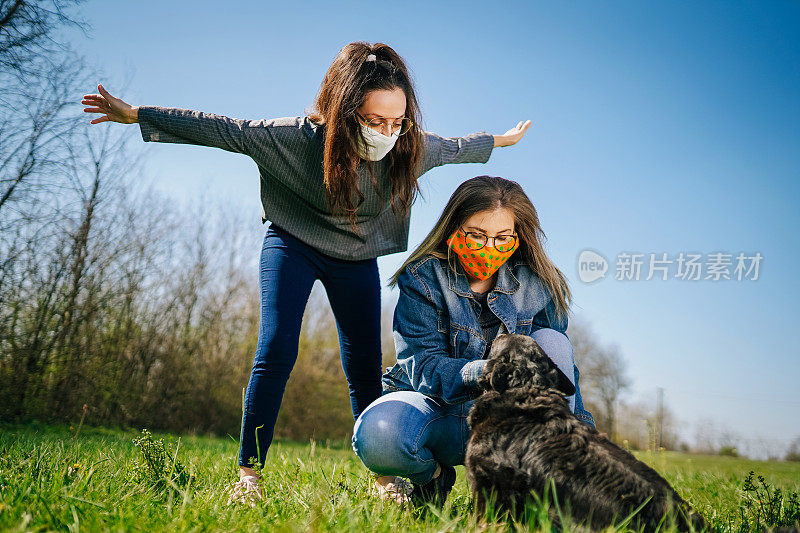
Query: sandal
[392,488]
[246,490]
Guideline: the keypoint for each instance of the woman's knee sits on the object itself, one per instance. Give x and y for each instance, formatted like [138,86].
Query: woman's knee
[554,343]
[559,349]
[383,438]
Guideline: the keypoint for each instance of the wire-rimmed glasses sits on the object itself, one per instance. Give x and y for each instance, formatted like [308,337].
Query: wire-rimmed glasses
[400,124]
[502,243]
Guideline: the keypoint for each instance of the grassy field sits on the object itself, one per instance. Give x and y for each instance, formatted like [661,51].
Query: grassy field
[51,479]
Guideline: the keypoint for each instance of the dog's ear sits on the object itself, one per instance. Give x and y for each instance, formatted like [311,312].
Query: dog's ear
[564,384]
[518,361]
[500,376]
[547,374]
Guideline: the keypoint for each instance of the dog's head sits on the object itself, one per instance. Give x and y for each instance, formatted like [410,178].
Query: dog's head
[517,361]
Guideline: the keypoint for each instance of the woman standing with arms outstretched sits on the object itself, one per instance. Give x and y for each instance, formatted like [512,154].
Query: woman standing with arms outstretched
[337,186]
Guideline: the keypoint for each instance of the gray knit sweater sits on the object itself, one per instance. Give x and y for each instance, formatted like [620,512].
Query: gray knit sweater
[288,152]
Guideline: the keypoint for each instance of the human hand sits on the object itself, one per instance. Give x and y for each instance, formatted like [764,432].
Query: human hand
[513,135]
[115,109]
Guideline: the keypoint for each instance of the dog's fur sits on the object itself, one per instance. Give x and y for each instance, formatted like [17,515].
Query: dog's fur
[523,434]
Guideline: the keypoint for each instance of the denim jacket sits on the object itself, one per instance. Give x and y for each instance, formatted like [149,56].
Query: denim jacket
[438,339]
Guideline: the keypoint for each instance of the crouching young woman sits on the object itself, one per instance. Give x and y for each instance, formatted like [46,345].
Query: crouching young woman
[481,272]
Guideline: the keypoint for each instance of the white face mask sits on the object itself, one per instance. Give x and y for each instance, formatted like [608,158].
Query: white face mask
[378,144]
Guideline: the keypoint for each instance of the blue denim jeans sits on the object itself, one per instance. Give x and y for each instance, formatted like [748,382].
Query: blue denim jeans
[288,269]
[406,433]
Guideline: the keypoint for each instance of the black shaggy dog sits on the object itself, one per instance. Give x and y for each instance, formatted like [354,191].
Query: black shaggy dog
[523,435]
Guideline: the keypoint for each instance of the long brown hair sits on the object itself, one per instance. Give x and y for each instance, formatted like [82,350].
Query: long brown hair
[489,193]
[349,80]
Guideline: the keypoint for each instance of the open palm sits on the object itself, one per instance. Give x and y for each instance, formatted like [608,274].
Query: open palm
[515,134]
[113,109]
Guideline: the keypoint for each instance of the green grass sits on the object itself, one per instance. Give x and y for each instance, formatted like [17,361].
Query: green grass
[52,481]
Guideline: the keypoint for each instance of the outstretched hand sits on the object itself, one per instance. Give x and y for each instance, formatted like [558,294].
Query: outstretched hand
[513,135]
[114,109]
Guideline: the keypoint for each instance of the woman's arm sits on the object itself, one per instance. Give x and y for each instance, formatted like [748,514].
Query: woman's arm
[173,125]
[424,352]
[474,148]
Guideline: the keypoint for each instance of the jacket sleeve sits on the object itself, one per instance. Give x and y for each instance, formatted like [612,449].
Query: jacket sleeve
[424,352]
[174,125]
[474,148]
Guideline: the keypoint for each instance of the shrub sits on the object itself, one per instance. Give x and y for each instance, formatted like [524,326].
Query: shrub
[728,451]
[763,506]
[157,468]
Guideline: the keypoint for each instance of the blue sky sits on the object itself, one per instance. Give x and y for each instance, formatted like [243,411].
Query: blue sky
[665,128]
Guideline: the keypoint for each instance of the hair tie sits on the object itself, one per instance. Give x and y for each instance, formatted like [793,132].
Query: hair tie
[371,57]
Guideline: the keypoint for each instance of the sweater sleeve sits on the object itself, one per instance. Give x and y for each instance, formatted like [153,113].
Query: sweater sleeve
[474,148]
[424,352]
[174,125]
[277,145]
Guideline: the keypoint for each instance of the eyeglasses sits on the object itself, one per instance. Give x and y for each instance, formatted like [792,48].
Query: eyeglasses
[502,243]
[401,124]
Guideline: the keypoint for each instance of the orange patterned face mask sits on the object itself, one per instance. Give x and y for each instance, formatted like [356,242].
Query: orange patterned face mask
[479,262]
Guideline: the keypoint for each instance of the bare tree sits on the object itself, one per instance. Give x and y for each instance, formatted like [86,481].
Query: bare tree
[38,78]
[53,282]
[711,436]
[27,29]
[37,73]
[95,166]
[604,376]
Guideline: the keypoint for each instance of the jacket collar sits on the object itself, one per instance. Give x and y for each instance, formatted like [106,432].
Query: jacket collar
[507,282]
